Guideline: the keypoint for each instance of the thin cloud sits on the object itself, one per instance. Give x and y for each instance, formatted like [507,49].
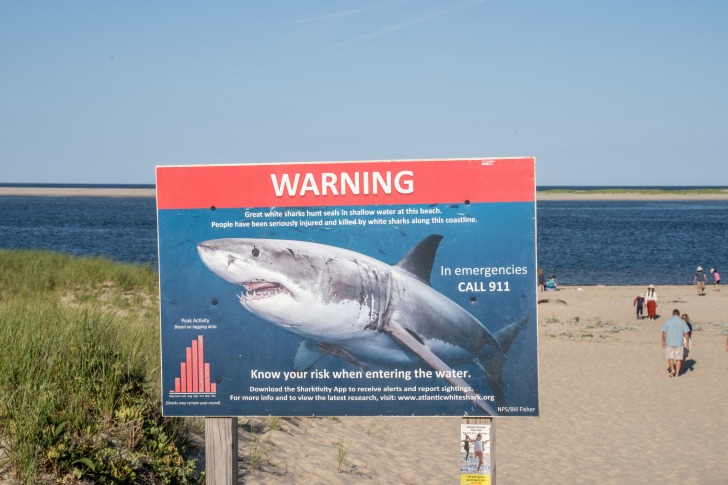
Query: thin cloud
[335,15]
[405,25]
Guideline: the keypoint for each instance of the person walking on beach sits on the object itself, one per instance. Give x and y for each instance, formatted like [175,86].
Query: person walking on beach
[639,303]
[674,333]
[699,280]
[688,344]
[541,280]
[716,275]
[651,299]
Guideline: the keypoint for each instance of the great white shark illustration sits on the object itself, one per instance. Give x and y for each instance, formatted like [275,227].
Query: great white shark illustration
[360,309]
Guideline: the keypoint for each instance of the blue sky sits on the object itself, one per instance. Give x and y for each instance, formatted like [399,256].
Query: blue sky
[600,92]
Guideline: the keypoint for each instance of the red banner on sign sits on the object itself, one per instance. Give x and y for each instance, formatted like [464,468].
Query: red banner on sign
[346,183]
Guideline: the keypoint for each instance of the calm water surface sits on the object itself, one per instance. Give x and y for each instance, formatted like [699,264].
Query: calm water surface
[124,229]
[660,242]
[582,242]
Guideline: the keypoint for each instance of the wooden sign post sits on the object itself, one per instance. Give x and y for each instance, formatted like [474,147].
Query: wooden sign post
[221,451]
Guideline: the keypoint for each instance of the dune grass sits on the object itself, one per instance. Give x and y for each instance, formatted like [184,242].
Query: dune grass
[79,374]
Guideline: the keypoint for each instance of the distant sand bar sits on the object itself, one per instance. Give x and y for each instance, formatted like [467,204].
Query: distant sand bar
[636,194]
[716,194]
[76,192]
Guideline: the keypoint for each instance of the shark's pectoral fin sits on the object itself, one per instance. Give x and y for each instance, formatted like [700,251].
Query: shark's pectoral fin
[416,345]
[310,352]
[342,354]
[306,356]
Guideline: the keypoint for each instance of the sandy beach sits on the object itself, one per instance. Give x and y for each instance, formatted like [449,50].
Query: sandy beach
[609,412]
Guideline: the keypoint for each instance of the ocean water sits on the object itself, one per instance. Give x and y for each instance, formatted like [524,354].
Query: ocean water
[581,242]
[631,243]
[123,229]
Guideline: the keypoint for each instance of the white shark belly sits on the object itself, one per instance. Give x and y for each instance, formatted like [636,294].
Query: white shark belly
[316,320]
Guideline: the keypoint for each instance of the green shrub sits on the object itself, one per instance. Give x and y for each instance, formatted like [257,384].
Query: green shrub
[79,373]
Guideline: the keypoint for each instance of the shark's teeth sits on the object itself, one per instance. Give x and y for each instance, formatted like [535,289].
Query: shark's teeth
[260,290]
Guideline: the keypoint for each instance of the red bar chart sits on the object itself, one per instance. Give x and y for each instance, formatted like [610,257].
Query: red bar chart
[194,373]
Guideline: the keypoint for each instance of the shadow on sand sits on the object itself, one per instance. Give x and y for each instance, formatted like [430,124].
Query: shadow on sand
[688,365]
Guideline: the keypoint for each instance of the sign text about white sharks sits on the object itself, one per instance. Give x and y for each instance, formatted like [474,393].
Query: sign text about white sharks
[375,216]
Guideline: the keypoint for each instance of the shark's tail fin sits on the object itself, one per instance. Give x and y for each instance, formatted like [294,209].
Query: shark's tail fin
[506,335]
[492,361]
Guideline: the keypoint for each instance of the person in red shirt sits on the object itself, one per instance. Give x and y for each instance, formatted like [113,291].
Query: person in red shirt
[651,299]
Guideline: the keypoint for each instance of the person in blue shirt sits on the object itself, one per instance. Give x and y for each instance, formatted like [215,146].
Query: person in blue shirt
[551,283]
[675,333]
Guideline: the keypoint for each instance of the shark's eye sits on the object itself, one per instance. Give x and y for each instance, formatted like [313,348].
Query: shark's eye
[231,259]
[256,252]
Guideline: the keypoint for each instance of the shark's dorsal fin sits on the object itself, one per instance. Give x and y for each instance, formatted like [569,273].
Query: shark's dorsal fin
[419,260]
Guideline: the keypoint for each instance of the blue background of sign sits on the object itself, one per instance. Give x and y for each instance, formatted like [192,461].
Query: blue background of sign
[504,235]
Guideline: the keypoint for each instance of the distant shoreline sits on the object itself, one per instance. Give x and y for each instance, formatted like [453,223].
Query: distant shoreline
[77,192]
[548,195]
[627,195]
